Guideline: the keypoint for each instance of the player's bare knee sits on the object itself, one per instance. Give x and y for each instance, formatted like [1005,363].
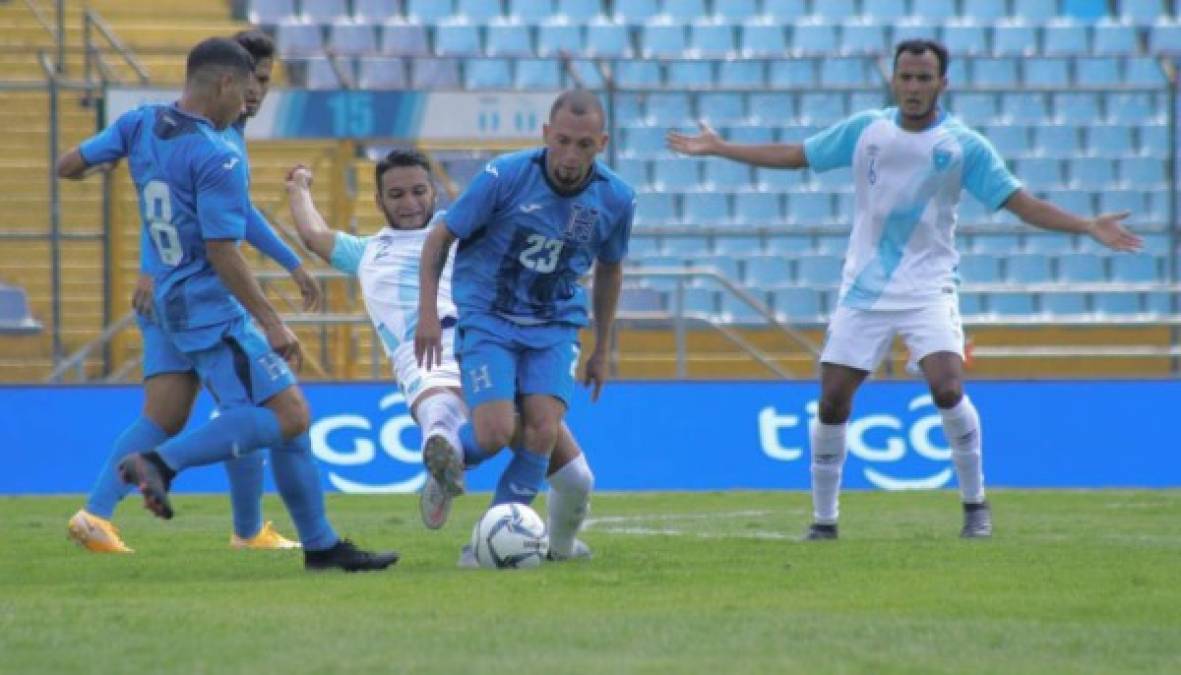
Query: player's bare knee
[492,435]
[291,408]
[947,394]
[541,433]
[834,409]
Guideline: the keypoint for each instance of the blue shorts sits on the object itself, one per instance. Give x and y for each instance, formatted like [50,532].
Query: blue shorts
[500,360]
[160,355]
[235,364]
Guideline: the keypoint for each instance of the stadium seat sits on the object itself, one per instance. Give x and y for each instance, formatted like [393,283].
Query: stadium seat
[994,72]
[686,246]
[1010,140]
[778,180]
[296,38]
[985,11]
[477,11]
[323,11]
[1056,140]
[1081,267]
[1091,173]
[429,11]
[15,316]
[270,12]
[399,38]
[789,245]
[1115,38]
[725,175]
[821,109]
[1160,303]
[1025,107]
[1144,71]
[637,74]
[374,12]
[913,28]
[975,108]
[1076,107]
[1011,304]
[636,11]
[741,74]
[1064,304]
[1113,302]
[793,74]
[381,72]
[487,73]
[1000,244]
[1101,71]
[833,244]
[580,11]
[727,266]
[720,107]
[934,10]
[643,141]
[1028,268]
[1142,172]
[767,271]
[320,74]
[675,174]
[1040,172]
[819,270]
[689,74]
[813,37]
[736,11]
[1048,243]
[1115,201]
[683,11]
[846,72]
[738,244]
[810,209]
[758,208]
[737,310]
[347,37]
[979,268]
[531,11]
[1014,37]
[1072,200]
[700,300]
[632,299]
[784,11]
[705,208]
[763,39]
[608,39]
[538,74]
[430,73]
[1142,12]
[654,208]
[1109,140]
[633,171]
[860,36]
[965,38]
[507,39]
[883,11]
[554,38]
[1035,11]
[669,109]
[643,247]
[713,40]
[1085,11]
[971,304]
[1065,38]
[797,304]
[659,39]
[457,39]
[834,10]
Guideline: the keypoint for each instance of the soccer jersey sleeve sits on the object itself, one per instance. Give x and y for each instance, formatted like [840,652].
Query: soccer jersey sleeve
[833,148]
[985,176]
[478,202]
[222,199]
[614,249]
[110,143]
[347,250]
[263,237]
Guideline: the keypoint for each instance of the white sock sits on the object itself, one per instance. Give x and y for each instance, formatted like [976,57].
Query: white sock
[961,425]
[568,503]
[828,458]
[441,413]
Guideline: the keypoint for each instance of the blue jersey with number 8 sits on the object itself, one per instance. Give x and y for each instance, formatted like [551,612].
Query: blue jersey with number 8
[523,245]
[193,186]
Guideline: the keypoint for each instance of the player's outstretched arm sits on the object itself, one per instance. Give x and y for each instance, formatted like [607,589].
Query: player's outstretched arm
[231,268]
[428,336]
[263,237]
[313,230]
[73,166]
[608,282]
[708,142]
[1106,228]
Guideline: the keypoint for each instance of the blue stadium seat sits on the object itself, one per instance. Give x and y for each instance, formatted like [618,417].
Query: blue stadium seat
[629,107]
[861,36]
[738,244]
[1085,11]
[797,304]
[975,108]
[427,73]
[1081,267]
[457,39]
[1076,107]
[813,37]
[1111,140]
[349,38]
[637,74]
[690,74]
[936,11]
[429,11]
[580,11]
[643,141]
[323,11]
[705,208]
[1141,12]
[636,11]
[296,38]
[1144,71]
[1011,304]
[789,245]
[1064,304]
[758,208]
[686,246]
[669,109]
[742,74]
[1133,108]
[1001,244]
[736,11]
[1014,37]
[1115,38]
[971,304]
[270,12]
[1025,107]
[913,28]
[720,107]
[1040,172]
[883,11]
[777,180]
[1065,38]
[538,74]
[1114,302]
[381,72]
[965,38]
[832,244]
[767,271]
[675,174]
[1091,173]
[972,212]
[1049,243]
[683,11]
[1164,37]
[667,261]
[1035,11]
[553,38]
[1058,140]
[700,300]
[642,299]
[1071,200]
[979,268]
[608,39]
[662,40]
[399,38]
[835,180]
[654,208]
[633,171]
[749,133]
[1123,200]
[1159,302]
[1101,71]
[821,109]
[508,39]
[477,11]
[1028,268]
[1142,172]
[1045,72]
[834,10]
[374,11]
[530,11]
[793,74]
[810,209]
[724,175]
[712,39]
[727,266]
[736,310]
[994,72]
[784,11]
[846,72]
[643,247]
[486,73]
[15,317]
[867,100]
[1011,140]
[763,39]
[1157,211]
[819,270]
[320,74]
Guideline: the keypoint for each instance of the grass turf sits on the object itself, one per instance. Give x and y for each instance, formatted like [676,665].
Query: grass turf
[1073,582]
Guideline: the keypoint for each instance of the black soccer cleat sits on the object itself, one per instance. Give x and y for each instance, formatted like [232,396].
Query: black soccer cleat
[346,556]
[140,470]
[977,521]
[821,532]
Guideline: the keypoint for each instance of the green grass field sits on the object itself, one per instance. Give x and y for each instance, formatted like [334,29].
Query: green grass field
[1073,582]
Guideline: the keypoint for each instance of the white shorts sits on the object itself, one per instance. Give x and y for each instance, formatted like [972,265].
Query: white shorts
[413,380]
[861,338]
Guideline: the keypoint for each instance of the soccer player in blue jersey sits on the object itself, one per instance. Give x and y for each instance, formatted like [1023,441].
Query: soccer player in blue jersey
[170,384]
[387,266]
[910,163]
[194,202]
[529,226]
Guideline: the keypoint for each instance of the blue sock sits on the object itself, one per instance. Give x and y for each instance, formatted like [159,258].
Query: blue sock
[521,478]
[143,435]
[298,480]
[473,454]
[245,474]
[235,432]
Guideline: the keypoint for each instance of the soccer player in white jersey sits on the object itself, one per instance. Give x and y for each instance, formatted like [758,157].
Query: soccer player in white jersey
[386,264]
[910,164]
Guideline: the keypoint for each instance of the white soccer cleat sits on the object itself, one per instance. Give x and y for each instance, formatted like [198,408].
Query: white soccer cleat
[444,461]
[434,504]
[467,558]
[580,551]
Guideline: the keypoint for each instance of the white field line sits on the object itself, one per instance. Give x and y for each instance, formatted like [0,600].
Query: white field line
[618,525]
[671,532]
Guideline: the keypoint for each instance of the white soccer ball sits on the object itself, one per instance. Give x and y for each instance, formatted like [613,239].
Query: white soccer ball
[510,536]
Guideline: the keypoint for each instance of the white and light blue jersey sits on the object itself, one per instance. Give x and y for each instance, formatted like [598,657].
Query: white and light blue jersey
[524,245]
[192,186]
[907,188]
[386,265]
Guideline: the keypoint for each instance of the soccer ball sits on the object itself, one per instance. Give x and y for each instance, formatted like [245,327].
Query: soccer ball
[510,536]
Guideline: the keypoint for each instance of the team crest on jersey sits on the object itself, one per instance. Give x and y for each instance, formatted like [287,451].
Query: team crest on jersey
[581,228]
[871,175]
[941,156]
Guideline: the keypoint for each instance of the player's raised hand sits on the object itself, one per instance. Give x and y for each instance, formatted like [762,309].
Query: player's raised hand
[299,178]
[1108,230]
[308,288]
[704,143]
[428,341]
[595,375]
[281,339]
[141,296]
